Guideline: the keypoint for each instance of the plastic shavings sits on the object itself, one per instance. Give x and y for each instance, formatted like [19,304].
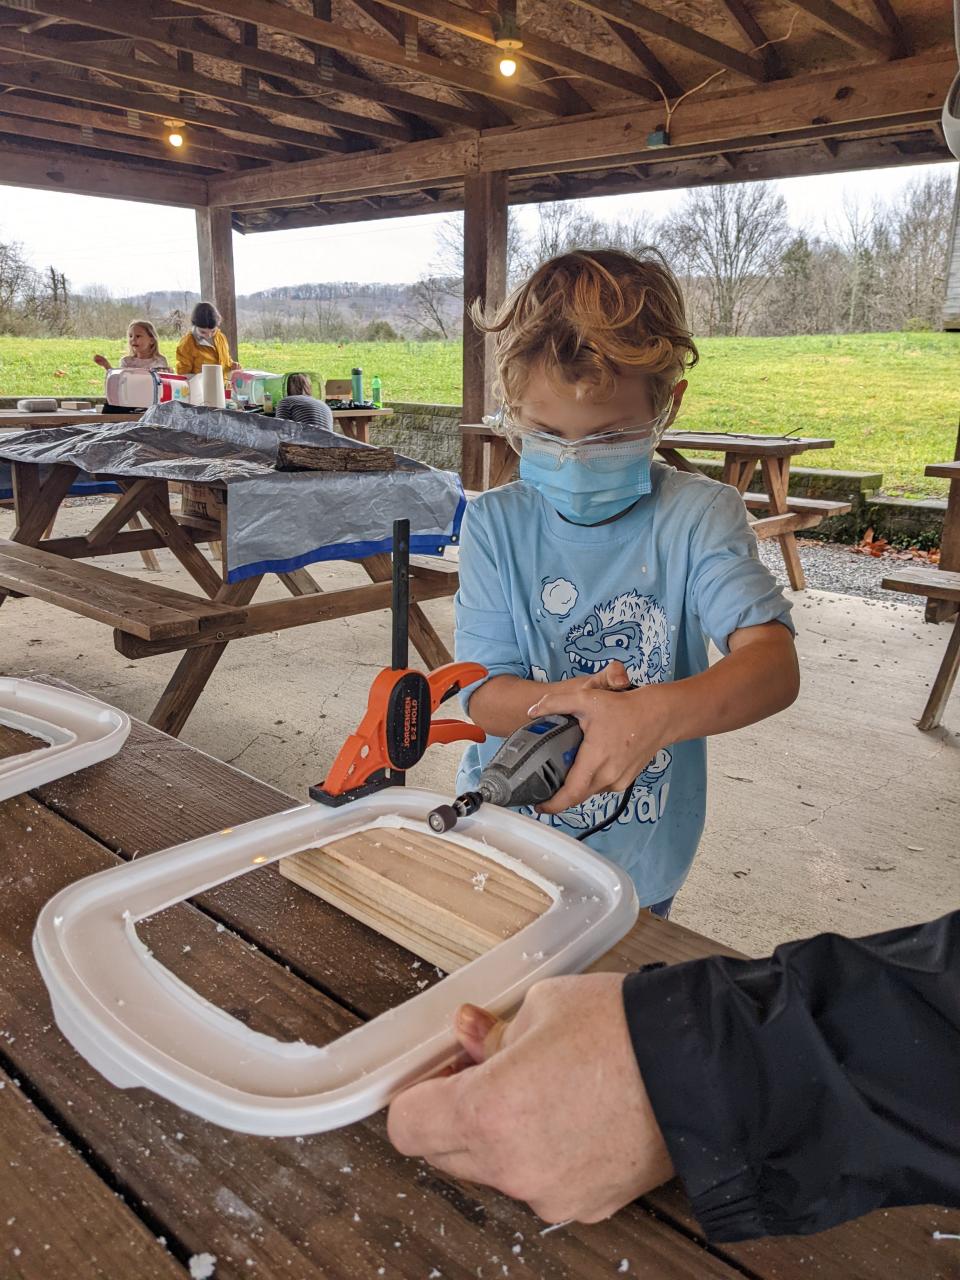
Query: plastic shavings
[555,1227]
[624,1266]
[202,1266]
[480,880]
[943,1235]
[346,1168]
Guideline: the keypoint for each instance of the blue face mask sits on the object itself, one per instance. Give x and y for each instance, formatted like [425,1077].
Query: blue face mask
[584,496]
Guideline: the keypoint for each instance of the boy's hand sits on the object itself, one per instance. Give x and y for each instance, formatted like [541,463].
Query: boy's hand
[623,729]
[554,1111]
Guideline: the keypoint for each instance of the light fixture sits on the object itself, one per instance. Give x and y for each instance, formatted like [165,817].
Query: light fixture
[174,134]
[508,39]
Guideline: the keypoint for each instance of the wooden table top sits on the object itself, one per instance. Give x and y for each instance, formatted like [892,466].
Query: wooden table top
[341,1205]
[946,470]
[16,420]
[746,445]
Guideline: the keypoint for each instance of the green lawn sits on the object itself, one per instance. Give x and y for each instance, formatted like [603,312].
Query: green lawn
[889,400]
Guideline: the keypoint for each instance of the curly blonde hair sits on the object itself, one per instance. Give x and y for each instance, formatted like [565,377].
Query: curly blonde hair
[587,318]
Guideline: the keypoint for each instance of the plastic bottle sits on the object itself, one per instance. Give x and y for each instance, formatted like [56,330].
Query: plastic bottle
[356,377]
[376,391]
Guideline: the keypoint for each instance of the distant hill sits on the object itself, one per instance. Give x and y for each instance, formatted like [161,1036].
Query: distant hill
[323,311]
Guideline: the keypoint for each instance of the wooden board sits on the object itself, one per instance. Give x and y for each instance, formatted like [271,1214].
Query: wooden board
[45,1186]
[942,583]
[304,457]
[440,900]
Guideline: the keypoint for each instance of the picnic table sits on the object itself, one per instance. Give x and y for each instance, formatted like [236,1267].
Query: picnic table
[941,587]
[356,423]
[343,1204]
[489,461]
[148,618]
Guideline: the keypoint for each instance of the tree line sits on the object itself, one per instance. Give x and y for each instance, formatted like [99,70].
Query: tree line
[745,270]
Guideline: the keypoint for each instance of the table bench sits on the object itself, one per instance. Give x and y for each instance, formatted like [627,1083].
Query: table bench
[935,584]
[340,1205]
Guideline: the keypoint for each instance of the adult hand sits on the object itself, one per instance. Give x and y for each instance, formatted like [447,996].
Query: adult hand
[553,1111]
[234,364]
[623,729]
[103,362]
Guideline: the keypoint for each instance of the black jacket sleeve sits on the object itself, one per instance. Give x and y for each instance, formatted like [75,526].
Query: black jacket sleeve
[810,1087]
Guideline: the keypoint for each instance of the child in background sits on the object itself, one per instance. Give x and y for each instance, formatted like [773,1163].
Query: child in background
[143,349]
[205,343]
[301,405]
[592,585]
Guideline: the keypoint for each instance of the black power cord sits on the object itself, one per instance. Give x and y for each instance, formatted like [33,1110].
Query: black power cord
[608,822]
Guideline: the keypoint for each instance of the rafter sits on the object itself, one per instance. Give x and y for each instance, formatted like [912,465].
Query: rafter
[654,68]
[278,17]
[85,135]
[759,41]
[119,126]
[641,18]
[390,23]
[849,28]
[480,27]
[104,95]
[188,81]
[889,17]
[207,40]
[61,169]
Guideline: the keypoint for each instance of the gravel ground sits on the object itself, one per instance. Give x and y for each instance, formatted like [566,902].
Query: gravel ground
[830,566]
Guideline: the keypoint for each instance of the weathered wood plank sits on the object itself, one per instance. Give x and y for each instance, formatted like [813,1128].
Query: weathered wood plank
[58,1220]
[146,610]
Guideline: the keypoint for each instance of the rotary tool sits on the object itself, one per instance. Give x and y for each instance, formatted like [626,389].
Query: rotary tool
[529,769]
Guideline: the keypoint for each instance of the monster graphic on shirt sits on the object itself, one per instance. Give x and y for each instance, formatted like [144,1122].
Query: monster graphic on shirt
[631,628]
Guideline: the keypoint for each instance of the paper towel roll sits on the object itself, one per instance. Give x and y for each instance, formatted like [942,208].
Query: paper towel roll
[212,383]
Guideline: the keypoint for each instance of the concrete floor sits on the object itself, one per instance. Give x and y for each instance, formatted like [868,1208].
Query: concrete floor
[836,815]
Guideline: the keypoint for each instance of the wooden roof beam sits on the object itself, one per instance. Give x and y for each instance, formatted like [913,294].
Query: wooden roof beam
[852,30]
[759,41]
[86,136]
[189,82]
[650,21]
[654,68]
[104,95]
[903,46]
[63,170]
[391,24]
[827,104]
[480,27]
[119,126]
[268,13]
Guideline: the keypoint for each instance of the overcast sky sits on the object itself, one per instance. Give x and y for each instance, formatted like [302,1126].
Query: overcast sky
[131,248]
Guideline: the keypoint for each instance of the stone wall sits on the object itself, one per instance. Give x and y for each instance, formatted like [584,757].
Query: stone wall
[428,432]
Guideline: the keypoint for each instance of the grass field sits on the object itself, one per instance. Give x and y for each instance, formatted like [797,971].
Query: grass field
[888,399]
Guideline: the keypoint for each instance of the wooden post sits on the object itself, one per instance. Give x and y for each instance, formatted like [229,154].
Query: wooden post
[944,610]
[215,248]
[484,278]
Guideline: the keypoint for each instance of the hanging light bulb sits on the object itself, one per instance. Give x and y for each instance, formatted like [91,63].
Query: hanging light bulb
[175,135]
[508,40]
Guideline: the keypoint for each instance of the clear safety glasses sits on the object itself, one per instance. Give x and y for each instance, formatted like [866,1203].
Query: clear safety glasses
[604,451]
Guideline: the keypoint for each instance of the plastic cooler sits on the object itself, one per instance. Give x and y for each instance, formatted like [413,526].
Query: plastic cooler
[141,388]
[140,1025]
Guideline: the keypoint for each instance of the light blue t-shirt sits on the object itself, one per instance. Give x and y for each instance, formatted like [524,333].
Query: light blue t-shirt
[545,599]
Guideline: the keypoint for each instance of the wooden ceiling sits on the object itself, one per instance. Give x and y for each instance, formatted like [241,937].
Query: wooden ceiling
[319,111]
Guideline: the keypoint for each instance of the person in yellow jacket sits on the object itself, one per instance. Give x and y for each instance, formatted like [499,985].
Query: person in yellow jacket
[205,343]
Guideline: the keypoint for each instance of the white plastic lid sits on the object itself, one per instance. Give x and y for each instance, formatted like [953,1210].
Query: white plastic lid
[76,732]
[138,1024]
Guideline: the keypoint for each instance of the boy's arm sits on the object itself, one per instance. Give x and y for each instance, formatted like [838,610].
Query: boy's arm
[622,732]
[506,703]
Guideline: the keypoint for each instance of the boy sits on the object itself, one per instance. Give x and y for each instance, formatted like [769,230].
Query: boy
[591,585]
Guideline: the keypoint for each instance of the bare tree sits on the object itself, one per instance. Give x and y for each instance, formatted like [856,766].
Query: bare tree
[435,303]
[733,237]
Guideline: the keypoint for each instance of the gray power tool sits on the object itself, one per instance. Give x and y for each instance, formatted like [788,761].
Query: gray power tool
[530,768]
